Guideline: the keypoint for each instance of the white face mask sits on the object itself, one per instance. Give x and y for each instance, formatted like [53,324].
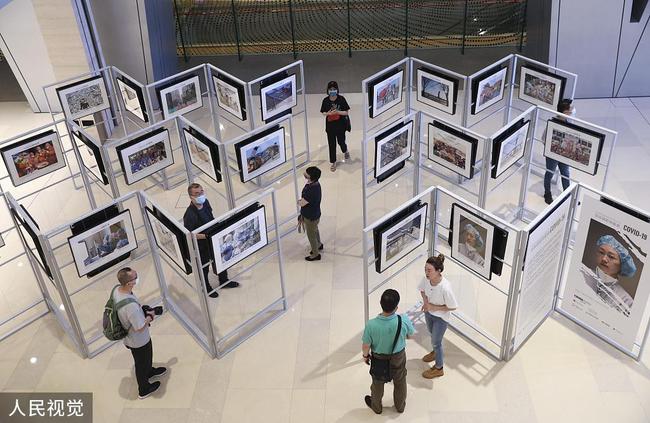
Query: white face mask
[200,199]
[573,111]
[136,282]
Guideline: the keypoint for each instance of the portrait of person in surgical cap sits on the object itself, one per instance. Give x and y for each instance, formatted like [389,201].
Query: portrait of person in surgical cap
[471,243]
[610,270]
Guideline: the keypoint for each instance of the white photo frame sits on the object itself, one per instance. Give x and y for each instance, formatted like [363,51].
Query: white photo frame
[452,149]
[403,237]
[261,153]
[132,98]
[239,240]
[91,156]
[386,93]
[573,145]
[509,147]
[103,243]
[167,239]
[539,87]
[203,153]
[437,91]
[83,98]
[392,147]
[474,254]
[180,98]
[229,96]
[33,157]
[145,155]
[488,89]
[278,97]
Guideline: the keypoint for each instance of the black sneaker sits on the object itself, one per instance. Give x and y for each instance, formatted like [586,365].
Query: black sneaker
[213,294]
[368,400]
[150,390]
[231,284]
[157,372]
[310,258]
[548,198]
[311,253]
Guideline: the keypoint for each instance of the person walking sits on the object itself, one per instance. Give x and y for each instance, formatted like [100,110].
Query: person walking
[335,109]
[310,211]
[438,301]
[384,338]
[564,106]
[138,339]
[198,213]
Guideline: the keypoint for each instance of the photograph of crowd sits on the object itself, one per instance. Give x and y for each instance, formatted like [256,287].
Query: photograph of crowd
[539,87]
[278,97]
[489,90]
[147,157]
[239,240]
[573,145]
[180,98]
[452,149]
[83,98]
[33,157]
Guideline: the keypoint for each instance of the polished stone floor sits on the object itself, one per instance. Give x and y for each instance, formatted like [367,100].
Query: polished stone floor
[306,366]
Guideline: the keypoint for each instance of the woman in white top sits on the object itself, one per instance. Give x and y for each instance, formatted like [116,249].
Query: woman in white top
[438,301]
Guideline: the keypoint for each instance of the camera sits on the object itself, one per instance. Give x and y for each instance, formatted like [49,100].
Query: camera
[158,310]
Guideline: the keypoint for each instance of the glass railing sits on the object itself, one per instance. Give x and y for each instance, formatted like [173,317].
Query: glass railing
[242,27]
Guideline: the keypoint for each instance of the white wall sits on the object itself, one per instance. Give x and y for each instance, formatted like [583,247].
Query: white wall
[595,39]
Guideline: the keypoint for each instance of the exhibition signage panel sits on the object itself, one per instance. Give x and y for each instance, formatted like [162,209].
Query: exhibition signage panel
[541,267]
[608,286]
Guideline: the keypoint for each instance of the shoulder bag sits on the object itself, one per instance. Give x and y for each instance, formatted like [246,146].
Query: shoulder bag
[380,367]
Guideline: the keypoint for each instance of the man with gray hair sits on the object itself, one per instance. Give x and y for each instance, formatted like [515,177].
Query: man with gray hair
[138,340]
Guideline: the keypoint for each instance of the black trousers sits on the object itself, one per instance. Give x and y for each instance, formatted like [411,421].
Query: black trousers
[223,276]
[143,358]
[334,137]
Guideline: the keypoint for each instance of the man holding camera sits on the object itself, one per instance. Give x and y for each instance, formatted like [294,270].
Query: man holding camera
[137,319]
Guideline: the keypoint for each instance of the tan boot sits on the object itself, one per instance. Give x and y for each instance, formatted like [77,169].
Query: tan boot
[429,357]
[432,373]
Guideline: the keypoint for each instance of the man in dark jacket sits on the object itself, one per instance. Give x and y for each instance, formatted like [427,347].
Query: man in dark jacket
[198,214]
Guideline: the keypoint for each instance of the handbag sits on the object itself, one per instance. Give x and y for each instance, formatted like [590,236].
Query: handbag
[380,367]
[301,225]
[348,125]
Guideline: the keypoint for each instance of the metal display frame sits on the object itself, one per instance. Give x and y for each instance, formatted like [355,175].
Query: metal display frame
[367,172]
[222,345]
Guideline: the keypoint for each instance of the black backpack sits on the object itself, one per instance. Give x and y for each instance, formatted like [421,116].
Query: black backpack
[113,329]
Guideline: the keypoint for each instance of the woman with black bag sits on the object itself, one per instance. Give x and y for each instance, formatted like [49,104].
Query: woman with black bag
[335,109]
[385,336]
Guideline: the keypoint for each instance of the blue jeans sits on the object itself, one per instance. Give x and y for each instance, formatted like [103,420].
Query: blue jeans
[437,328]
[551,165]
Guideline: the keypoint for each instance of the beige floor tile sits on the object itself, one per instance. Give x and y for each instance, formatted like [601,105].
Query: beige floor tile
[255,405]
[307,406]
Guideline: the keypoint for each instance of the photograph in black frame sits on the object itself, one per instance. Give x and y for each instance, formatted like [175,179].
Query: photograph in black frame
[33,157]
[578,137]
[32,235]
[277,77]
[241,95]
[231,220]
[128,102]
[371,85]
[97,154]
[83,98]
[405,131]
[157,166]
[186,98]
[180,239]
[240,145]
[213,149]
[97,219]
[500,90]
[535,88]
[517,128]
[499,241]
[399,218]
[451,159]
[425,97]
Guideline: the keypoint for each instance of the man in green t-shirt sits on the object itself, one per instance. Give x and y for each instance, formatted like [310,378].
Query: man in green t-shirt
[378,337]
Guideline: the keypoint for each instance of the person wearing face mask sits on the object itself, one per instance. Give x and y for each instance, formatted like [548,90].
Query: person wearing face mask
[335,107]
[613,261]
[310,211]
[438,301]
[138,339]
[198,213]
[564,106]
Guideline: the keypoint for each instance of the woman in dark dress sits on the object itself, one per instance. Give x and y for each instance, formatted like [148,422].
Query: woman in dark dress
[335,109]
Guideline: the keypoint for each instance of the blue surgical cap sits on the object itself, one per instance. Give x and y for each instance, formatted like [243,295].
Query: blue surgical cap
[471,229]
[628,268]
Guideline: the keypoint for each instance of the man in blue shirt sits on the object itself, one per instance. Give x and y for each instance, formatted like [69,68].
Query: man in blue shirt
[378,337]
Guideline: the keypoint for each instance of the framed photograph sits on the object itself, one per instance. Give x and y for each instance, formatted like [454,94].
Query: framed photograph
[392,148]
[102,244]
[83,98]
[488,89]
[27,228]
[204,154]
[33,157]
[145,155]
[573,145]
[238,237]
[452,149]
[509,147]
[436,90]
[230,96]
[261,153]
[385,92]
[540,87]
[471,241]
[180,97]
[400,236]
[170,239]
[91,156]
[278,97]
[132,97]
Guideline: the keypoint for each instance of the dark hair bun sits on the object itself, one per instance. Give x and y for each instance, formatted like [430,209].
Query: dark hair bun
[441,258]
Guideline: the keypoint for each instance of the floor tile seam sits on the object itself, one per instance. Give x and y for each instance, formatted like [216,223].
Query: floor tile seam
[640,112]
